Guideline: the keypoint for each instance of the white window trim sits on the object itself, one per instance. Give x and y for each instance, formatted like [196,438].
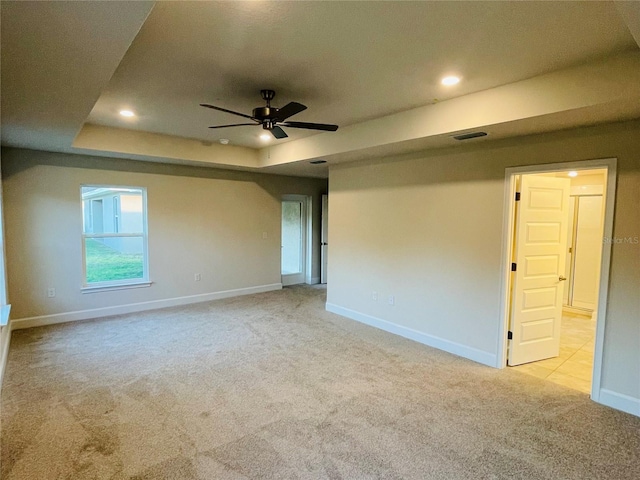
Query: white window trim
[118,284]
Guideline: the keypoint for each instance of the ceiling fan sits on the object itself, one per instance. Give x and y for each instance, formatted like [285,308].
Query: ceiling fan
[272,118]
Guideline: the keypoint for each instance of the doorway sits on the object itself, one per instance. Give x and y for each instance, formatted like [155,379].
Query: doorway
[557,260]
[294,236]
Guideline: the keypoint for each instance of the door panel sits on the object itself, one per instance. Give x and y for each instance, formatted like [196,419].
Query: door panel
[540,253]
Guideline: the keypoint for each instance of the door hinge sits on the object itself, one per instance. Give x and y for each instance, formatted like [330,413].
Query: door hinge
[517,196]
[509,335]
[513,267]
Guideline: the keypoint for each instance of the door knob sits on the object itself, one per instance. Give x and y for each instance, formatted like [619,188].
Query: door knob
[561,278]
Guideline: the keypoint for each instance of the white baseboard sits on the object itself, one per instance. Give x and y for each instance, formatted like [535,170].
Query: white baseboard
[620,401]
[39,321]
[471,353]
[313,281]
[5,341]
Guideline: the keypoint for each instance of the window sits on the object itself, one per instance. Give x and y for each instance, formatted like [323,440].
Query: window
[114,236]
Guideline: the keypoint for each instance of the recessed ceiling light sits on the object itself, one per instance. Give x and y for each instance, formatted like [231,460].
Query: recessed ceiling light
[450,80]
[224,141]
[265,136]
[573,174]
[127,113]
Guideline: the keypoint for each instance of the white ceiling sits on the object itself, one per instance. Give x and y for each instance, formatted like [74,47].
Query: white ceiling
[67,64]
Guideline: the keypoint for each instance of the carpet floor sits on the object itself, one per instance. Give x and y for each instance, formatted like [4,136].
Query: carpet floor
[271,386]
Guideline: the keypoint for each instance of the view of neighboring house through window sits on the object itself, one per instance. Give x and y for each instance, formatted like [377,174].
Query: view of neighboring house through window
[114,235]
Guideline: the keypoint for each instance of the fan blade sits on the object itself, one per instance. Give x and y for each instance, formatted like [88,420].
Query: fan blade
[234,125]
[228,111]
[289,110]
[311,126]
[278,132]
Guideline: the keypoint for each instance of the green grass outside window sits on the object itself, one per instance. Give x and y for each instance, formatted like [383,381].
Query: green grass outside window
[106,264]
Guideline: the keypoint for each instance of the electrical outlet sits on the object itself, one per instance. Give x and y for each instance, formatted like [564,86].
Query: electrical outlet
[374,296]
[197,277]
[392,300]
[51,292]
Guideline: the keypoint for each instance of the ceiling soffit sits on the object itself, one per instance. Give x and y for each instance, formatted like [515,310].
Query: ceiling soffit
[584,95]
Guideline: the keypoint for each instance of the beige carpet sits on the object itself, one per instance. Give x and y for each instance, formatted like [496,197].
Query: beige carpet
[271,386]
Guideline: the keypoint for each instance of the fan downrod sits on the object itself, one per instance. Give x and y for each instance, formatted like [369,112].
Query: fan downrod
[267,96]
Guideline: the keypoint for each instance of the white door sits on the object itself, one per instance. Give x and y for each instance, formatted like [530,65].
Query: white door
[538,282]
[293,252]
[324,239]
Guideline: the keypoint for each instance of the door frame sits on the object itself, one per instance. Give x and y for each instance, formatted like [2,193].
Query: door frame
[307,234]
[610,164]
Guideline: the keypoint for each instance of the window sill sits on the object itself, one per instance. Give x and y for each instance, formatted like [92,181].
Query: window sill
[121,286]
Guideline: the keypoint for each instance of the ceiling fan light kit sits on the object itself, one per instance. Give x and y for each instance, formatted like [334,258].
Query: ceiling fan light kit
[272,118]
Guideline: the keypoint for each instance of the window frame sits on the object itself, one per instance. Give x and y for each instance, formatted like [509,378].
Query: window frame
[124,283]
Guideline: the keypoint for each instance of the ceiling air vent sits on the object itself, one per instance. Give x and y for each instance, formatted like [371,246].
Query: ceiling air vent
[317,162]
[467,136]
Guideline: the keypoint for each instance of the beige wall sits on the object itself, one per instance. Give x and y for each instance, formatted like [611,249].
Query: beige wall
[200,220]
[428,229]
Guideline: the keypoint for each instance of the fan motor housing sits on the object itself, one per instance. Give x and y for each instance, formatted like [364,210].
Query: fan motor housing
[265,113]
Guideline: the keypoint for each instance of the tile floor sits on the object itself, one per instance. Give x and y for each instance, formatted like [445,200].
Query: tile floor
[574,365]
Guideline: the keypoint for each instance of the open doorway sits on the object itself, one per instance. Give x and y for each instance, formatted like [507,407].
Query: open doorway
[558,261]
[295,237]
